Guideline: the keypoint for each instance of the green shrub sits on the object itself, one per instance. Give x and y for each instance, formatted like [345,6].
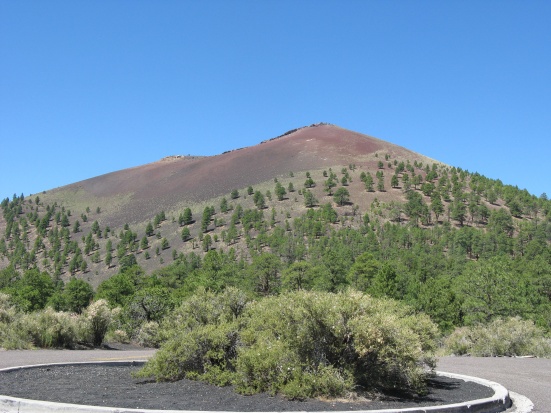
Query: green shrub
[50,329]
[77,295]
[12,339]
[203,308]
[150,304]
[7,309]
[117,336]
[200,338]
[11,335]
[45,328]
[510,337]
[300,344]
[148,335]
[32,291]
[53,329]
[374,343]
[95,322]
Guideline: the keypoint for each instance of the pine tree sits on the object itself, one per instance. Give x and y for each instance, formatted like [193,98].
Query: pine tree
[342,196]
[368,182]
[406,183]
[309,199]
[205,221]
[458,212]
[149,229]
[108,259]
[328,186]
[188,217]
[224,205]
[207,242]
[259,200]
[381,183]
[185,234]
[309,183]
[436,204]
[280,191]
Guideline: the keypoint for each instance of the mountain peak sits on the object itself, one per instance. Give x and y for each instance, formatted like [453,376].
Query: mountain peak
[289,132]
[175,180]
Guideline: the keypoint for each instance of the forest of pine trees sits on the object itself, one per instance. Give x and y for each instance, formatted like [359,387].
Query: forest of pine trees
[458,246]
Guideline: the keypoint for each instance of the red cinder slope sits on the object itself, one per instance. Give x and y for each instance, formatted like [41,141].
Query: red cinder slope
[145,190]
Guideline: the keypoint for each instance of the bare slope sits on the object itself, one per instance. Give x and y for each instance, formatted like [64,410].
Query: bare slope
[136,194]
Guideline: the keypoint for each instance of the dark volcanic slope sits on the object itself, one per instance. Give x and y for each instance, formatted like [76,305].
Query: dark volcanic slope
[164,184]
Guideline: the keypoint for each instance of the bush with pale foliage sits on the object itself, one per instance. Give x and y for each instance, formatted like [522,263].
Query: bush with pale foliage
[117,336]
[96,320]
[148,334]
[53,329]
[11,335]
[501,337]
[299,344]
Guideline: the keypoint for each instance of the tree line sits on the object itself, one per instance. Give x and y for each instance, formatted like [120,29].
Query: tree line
[447,250]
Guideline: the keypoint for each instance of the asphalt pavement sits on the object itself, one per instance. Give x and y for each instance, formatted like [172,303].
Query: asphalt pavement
[13,358]
[530,377]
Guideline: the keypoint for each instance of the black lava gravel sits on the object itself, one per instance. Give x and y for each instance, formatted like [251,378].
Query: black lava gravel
[110,385]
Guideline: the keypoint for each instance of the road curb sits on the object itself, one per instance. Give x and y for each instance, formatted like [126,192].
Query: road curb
[521,404]
[499,402]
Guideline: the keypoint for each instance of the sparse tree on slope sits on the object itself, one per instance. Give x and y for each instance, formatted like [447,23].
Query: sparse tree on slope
[368,182]
[280,191]
[224,205]
[342,196]
[185,234]
[259,200]
[309,199]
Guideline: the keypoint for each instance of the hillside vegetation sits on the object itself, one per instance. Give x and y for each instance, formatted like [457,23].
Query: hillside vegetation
[458,246]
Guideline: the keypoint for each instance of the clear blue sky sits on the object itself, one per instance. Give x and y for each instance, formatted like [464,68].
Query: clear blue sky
[90,87]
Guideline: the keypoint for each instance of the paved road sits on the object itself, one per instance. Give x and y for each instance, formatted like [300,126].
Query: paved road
[527,376]
[15,358]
